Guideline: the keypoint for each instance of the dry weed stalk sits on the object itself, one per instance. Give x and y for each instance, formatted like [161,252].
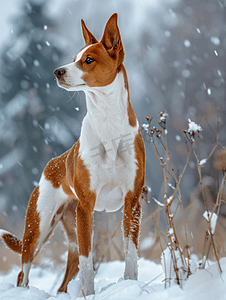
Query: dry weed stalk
[105,241]
[180,259]
[211,217]
[179,265]
[155,219]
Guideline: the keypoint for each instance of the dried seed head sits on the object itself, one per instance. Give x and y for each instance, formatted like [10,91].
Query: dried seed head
[220,160]
[149,118]
[163,115]
[158,130]
[145,190]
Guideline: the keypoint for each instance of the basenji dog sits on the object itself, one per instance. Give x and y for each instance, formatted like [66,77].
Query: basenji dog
[104,170]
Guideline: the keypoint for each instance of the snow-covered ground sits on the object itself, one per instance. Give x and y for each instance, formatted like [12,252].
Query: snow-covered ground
[206,284]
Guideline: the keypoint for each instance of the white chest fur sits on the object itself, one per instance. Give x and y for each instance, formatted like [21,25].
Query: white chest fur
[107,144]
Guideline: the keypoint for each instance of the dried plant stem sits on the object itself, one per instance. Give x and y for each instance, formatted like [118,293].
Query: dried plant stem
[181,175]
[119,251]
[218,130]
[200,180]
[185,227]
[169,213]
[178,185]
[219,195]
[104,252]
[100,234]
[107,235]
[209,236]
[153,218]
[174,244]
[174,249]
[215,252]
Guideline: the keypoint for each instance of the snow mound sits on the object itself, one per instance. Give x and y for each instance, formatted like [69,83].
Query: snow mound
[203,284]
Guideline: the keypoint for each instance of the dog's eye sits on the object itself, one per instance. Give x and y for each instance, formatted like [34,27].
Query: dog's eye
[89,60]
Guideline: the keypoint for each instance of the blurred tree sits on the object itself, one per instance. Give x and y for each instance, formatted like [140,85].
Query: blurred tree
[185,73]
[36,124]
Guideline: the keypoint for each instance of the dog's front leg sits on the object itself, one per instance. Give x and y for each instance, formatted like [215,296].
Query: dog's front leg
[84,235]
[131,226]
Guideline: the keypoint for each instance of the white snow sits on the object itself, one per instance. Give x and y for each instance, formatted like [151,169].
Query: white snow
[145,127]
[169,199]
[178,138]
[158,202]
[202,162]
[187,43]
[171,232]
[167,266]
[171,186]
[213,220]
[149,189]
[193,127]
[206,284]
[36,63]
[186,73]
[215,40]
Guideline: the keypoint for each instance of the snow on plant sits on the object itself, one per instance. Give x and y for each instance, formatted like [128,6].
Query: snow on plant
[212,218]
[168,265]
[176,260]
[193,131]
[193,127]
[202,162]
[158,202]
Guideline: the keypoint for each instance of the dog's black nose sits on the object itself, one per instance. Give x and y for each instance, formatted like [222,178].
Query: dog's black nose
[59,72]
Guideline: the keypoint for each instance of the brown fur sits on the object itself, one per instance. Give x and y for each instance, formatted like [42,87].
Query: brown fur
[31,232]
[132,207]
[131,114]
[12,242]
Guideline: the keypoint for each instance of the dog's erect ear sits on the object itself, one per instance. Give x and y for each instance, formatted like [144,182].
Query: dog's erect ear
[112,40]
[88,36]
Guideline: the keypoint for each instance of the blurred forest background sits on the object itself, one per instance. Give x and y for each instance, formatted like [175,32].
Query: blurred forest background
[175,60]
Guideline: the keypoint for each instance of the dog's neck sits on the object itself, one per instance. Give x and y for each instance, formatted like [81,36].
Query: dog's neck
[107,107]
[110,100]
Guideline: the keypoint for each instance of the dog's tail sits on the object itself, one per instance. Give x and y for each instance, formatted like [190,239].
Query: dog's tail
[11,241]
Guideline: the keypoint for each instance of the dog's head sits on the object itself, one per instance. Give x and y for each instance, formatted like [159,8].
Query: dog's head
[97,64]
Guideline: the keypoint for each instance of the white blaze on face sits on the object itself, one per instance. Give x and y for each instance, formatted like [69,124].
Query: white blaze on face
[80,54]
